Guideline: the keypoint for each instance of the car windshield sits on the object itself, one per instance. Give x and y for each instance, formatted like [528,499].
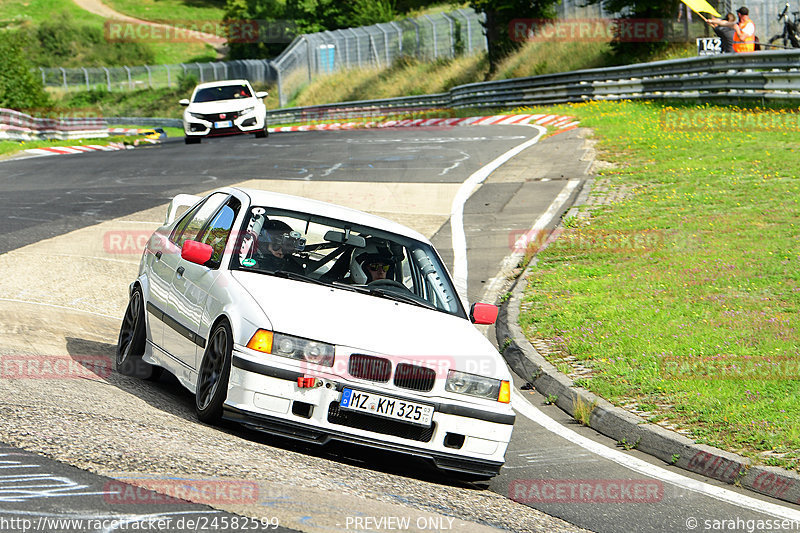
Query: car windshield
[307,247]
[222,92]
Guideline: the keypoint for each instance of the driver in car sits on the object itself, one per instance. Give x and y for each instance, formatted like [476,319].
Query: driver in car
[277,243]
[372,263]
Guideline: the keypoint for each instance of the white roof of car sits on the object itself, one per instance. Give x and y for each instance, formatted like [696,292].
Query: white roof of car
[220,83]
[307,205]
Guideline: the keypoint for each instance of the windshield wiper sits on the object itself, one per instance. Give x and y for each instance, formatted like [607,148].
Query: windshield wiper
[400,297]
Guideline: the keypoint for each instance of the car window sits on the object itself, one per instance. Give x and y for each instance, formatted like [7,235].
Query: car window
[219,229]
[341,253]
[223,92]
[194,221]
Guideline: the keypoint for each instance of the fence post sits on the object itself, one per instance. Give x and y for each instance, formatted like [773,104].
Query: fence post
[44,80]
[85,77]
[435,43]
[201,72]
[397,27]
[130,83]
[309,56]
[108,79]
[214,70]
[385,44]
[149,77]
[281,100]
[64,77]
[416,30]
[358,48]
[374,51]
[469,32]
[452,35]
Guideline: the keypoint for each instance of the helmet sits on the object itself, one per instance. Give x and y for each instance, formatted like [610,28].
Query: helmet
[376,250]
[280,234]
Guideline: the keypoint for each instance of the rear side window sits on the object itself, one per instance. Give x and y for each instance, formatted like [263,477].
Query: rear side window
[195,220]
[219,229]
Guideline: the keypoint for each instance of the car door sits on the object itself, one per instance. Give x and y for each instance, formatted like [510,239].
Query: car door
[192,283]
[178,337]
[161,269]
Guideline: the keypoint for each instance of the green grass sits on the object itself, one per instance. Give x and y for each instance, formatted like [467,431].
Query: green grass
[675,295]
[37,11]
[185,11]
[34,12]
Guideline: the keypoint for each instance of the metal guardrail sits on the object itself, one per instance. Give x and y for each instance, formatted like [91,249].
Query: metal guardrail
[761,76]
[771,75]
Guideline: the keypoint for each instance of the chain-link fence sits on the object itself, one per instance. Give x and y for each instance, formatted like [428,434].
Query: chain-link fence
[443,35]
[152,76]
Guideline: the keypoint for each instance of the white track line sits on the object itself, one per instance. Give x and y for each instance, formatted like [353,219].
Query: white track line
[522,406]
[459,239]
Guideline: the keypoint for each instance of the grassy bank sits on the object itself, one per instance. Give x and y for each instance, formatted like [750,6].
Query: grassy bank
[681,299]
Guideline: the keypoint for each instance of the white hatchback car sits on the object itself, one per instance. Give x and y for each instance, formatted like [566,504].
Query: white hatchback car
[224,107]
[318,322]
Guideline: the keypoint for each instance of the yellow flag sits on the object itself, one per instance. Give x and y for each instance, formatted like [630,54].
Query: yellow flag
[700,7]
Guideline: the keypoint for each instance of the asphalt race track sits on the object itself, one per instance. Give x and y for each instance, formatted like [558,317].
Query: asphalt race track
[70,229]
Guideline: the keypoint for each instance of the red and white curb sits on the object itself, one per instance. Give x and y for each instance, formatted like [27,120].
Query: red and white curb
[63,150]
[559,122]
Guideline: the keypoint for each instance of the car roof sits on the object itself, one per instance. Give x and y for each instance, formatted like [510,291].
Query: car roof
[317,207]
[221,83]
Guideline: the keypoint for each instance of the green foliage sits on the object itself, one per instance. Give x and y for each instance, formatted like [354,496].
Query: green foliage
[20,88]
[634,52]
[270,14]
[499,15]
[63,41]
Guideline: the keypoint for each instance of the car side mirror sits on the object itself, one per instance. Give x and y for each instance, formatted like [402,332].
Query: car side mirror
[262,94]
[196,252]
[184,101]
[481,313]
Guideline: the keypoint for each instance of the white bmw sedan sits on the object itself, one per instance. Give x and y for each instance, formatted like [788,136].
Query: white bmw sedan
[224,107]
[318,322]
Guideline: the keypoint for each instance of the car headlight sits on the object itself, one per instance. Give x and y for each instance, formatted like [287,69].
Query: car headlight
[197,115]
[247,111]
[480,386]
[314,352]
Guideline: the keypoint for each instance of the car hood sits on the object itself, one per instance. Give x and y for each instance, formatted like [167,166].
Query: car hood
[369,324]
[222,106]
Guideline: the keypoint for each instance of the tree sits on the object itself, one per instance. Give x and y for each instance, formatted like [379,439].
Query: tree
[273,31]
[500,14]
[657,10]
[20,88]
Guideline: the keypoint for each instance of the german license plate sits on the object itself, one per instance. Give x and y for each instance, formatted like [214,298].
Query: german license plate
[387,407]
[223,124]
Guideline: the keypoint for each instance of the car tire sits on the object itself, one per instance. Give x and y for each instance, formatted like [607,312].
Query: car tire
[212,378]
[132,340]
[192,140]
[261,134]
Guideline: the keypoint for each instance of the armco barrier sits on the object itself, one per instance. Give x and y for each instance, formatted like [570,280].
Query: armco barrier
[21,127]
[757,77]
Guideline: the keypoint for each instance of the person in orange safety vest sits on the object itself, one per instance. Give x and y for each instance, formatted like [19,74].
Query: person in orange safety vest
[745,37]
